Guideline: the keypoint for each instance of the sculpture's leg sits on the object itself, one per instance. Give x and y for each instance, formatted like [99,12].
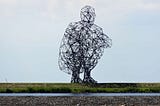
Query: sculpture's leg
[88,78]
[75,77]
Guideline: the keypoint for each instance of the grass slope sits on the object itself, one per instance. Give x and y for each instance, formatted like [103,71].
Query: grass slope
[79,88]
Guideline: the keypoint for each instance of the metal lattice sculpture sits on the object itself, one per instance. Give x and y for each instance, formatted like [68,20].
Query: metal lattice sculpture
[82,46]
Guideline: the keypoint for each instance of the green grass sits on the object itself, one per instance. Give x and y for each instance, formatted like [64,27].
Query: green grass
[79,88]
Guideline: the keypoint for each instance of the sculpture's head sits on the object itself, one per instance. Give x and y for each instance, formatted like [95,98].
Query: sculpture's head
[88,14]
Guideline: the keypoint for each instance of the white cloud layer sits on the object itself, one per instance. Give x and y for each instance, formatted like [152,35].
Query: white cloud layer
[55,7]
[31,31]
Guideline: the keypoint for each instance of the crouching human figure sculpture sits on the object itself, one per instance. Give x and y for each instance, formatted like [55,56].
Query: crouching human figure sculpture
[82,46]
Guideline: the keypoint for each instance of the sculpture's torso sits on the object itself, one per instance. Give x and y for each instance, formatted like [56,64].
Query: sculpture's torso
[85,44]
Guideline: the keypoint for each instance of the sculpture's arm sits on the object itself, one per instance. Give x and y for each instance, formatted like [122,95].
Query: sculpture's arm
[102,39]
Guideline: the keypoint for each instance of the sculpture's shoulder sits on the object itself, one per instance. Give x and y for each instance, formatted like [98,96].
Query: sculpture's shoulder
[72,30]
[97,29]
[104,40]
[74,25]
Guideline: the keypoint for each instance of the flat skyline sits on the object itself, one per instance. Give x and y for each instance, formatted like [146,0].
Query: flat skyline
[31,32]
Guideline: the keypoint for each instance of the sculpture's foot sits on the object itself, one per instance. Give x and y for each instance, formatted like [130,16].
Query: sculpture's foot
[76,80]
[89,80]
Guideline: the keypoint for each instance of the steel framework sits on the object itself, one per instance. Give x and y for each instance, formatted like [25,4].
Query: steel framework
[82,46]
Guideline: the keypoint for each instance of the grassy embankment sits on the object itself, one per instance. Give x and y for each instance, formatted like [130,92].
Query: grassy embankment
[79,88]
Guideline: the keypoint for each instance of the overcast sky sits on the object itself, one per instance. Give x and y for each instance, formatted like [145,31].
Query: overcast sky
[31,32]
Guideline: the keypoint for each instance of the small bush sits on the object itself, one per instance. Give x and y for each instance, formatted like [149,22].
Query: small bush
[9,90]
